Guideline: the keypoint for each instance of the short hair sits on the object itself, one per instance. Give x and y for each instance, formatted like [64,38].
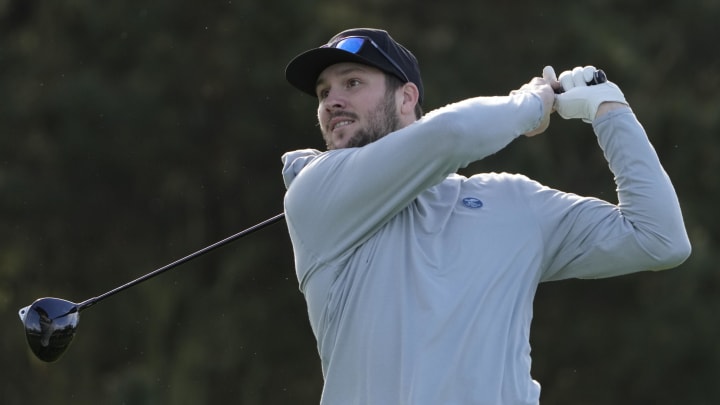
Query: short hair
[393,83]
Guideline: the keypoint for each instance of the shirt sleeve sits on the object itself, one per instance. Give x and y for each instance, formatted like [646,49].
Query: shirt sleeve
[592,238]
[342,197]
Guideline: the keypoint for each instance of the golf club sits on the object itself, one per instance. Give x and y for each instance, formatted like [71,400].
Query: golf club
[51,323]
[599,77]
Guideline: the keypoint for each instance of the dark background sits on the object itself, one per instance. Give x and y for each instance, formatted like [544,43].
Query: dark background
[135,132]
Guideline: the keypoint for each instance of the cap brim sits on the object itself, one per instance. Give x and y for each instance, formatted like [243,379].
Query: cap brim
[303,71]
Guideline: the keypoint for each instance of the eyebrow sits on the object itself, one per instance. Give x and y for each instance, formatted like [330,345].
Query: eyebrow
[349,69]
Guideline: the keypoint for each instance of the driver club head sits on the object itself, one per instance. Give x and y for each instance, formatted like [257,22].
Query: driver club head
[50,325]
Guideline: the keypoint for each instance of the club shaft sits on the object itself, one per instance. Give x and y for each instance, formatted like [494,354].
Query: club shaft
[92,301]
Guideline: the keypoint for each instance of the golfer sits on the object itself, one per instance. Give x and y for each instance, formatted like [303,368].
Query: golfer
[420,282]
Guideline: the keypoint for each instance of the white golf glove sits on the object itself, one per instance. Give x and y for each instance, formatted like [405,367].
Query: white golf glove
[580,99]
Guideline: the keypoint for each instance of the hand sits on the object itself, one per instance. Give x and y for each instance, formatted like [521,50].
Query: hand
[578,99]
[542,89]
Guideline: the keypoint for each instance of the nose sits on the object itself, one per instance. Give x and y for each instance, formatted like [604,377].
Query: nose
[334,100]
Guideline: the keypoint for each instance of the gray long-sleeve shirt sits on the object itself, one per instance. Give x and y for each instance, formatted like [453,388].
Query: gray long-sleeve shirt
[419,282]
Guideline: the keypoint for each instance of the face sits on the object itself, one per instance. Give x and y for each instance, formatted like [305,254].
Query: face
[354,107]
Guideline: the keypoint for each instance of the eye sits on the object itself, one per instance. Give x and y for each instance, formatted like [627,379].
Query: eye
[322,94]
[323,91]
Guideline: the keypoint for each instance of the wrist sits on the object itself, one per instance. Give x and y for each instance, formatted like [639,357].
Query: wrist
[607,106]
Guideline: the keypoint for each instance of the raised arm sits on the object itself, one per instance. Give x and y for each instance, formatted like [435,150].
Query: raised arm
[645,230]
[340,198]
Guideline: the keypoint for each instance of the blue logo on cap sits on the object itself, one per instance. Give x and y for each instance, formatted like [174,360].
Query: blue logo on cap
[472,202]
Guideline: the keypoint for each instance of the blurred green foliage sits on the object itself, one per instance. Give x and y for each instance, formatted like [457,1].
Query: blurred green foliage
[133,133]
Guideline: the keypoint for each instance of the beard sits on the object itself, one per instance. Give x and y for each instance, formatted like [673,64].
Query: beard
[381,121]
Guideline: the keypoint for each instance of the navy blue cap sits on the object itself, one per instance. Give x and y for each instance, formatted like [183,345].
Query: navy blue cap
[303,71]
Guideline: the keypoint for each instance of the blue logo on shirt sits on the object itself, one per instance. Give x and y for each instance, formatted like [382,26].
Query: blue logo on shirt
[472,202]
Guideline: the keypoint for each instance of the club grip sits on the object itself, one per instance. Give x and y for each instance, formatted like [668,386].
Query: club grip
[598,77]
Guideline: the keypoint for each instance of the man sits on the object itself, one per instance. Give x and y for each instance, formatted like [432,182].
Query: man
[419,282]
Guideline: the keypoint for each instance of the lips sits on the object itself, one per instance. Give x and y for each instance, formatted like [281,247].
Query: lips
[341,124]
[340,121]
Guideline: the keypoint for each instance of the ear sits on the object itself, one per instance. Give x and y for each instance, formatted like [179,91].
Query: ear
[410,98]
